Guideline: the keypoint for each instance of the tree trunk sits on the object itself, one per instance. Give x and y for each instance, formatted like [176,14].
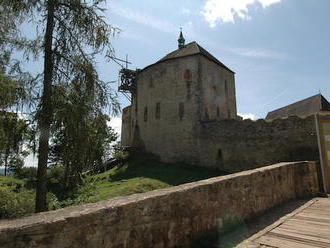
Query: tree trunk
[6,162]
[46,112]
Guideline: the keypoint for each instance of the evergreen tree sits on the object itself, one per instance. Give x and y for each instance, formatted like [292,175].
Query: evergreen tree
[72,33]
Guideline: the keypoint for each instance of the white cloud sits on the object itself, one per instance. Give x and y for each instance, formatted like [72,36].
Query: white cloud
[228,10]
[145,19]
[115,123]
[186,11]
[31,161]
[260,53]
[248,116]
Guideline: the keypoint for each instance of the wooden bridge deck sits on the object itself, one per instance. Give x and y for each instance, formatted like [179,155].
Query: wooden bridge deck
[306,227]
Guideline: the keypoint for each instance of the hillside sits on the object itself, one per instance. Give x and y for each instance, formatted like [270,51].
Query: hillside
[140,173]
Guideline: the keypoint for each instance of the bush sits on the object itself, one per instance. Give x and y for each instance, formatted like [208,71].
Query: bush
[56,181]
[16,204]
[28,173]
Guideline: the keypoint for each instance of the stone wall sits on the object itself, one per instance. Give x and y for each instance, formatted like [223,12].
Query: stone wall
[173,217]
[164,108]
[171,98]
[233,145]
[126,126]
[217,90]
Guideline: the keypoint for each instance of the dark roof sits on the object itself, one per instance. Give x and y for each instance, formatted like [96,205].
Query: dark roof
[308,106]
[190,49]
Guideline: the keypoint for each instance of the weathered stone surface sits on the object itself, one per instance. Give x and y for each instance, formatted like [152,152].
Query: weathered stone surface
[249,144]
[172,217]
[170,99]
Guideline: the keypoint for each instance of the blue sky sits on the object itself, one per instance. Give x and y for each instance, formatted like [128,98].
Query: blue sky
[279,49]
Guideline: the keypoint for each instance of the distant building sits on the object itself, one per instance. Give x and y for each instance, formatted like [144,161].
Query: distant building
[309,106]
[170,97]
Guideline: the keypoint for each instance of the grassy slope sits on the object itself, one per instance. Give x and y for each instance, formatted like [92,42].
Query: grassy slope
[142,173]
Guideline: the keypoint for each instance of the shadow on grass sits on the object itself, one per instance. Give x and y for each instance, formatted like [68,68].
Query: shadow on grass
[148,166]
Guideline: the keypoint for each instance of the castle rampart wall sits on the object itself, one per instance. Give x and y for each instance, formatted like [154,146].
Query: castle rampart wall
[179,216]
[236,145]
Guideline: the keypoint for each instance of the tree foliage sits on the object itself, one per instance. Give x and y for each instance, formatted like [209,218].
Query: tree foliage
[81,136]
[13,133]
[70,34]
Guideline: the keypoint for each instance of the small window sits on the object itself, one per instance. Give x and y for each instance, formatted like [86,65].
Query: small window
[181,110]
[158,110]
[145,116]
[218,111]
[188,83]
[226,89]
[228,113]
[219,156]
[187,75]
[151,83]
[206,114]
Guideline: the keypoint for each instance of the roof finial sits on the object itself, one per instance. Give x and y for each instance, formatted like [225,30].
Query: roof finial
[181,40]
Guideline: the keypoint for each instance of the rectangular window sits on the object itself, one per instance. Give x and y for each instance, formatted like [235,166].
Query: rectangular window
[226,89]
[145,115]
[188,89]
[206,114]
[181,110]
[158,110]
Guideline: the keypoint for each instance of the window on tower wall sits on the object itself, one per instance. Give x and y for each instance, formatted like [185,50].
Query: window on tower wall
[158,110]
[181,110]
[145,115]
[226,89]
[188,89]
[151,83]
[206,112]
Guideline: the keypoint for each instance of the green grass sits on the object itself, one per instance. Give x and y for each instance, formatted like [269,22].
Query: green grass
[144,173]
[10,181]
[141,173]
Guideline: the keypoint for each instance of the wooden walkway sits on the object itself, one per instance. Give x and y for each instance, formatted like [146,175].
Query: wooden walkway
[306,227]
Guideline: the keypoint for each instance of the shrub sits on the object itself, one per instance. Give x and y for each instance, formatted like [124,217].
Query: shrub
[29,173]
[16,204]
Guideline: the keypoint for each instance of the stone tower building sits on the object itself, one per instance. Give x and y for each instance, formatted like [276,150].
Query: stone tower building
[172,98]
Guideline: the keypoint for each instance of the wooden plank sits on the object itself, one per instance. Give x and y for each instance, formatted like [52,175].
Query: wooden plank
[320,213]
[311,219]
[322,209]
[281,243]
[300,238]
[302,234]
[315,216]
[308,228]
[310,222]
[281,220]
